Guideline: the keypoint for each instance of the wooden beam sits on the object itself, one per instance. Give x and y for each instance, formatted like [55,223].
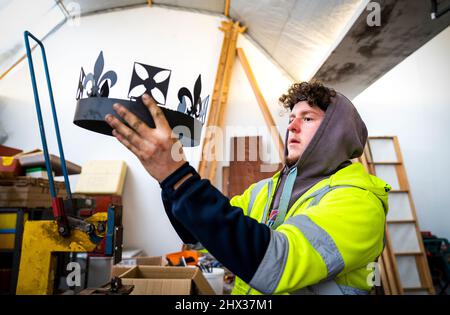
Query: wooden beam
[227,8]
[13,66]
[262,103]
[149,2]
[221,110]
[212,112]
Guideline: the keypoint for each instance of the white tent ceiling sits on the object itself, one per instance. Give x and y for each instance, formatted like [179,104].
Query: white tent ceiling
[296,34]
[301,36]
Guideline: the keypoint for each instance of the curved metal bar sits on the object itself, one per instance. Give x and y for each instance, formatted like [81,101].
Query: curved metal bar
[26,35]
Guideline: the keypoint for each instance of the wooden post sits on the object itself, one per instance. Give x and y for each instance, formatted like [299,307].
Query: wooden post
[227,8]
[211,120]
[220,95]
[262,103]
[221,110]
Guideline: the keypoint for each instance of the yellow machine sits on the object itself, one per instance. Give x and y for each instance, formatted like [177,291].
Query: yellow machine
[100,233]
[40,240]
[92,225]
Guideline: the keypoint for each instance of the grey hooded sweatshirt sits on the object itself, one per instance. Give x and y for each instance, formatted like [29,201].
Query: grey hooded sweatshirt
[341,137]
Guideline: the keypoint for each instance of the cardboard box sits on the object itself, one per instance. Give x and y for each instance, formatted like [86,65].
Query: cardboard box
[28,192]
[152,280]
[128,263]
[144,261]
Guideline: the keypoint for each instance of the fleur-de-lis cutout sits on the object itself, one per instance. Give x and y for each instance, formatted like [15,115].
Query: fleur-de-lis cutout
[205,103]
[80,88]
[150,80]
[196,107]
[97,84]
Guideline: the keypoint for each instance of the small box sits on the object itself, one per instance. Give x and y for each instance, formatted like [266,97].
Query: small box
[36,158]
[102,177]
[152,280]
[37,172]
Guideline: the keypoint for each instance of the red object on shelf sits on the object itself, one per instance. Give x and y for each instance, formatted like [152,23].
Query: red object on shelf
[8,151]
[9,167]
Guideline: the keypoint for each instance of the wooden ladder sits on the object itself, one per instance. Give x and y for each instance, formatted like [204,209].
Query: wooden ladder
[404,265]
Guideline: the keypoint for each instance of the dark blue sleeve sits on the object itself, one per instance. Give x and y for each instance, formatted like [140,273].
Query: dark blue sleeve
[236,240]
[184,234]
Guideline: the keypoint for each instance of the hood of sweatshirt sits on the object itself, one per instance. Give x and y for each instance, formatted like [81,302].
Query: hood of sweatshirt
[341,137]
[355,175]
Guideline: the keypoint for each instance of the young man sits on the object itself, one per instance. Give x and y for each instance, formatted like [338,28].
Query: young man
[316,227]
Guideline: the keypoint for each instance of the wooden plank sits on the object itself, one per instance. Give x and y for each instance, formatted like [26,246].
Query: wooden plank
[389,260]
[393,264]
[221,110]
[244,170]
[415,289]
[384,278]
[276,137]
[212,112]
[381,137]
[423,268]
[227,8]
[407,253]
[391,282]
[225,180]
[424,274]
[388,268]
[15,64]
[400,221]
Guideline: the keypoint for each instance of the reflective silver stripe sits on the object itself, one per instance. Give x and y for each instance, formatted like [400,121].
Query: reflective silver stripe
[352,290]
[318,195]
[330,287]
[266,207]
[271,268]
[322,243]
[255,191]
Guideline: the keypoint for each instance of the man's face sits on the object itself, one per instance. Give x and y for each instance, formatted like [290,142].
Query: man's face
[304,121]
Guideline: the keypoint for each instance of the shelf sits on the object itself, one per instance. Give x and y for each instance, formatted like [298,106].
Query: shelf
[400,221]
[381,137]
[408,254]
[415,289]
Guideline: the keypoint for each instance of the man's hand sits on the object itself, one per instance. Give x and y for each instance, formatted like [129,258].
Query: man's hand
[158,150]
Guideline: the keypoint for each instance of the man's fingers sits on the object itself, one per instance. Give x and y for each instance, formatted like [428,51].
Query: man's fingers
[126,143]
[156,112]
[138,125]
[129,134]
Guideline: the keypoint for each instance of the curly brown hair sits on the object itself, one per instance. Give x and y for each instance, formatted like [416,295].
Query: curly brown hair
[315,93]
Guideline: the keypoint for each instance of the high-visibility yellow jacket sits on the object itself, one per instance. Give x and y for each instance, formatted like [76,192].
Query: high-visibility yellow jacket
[329,239]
